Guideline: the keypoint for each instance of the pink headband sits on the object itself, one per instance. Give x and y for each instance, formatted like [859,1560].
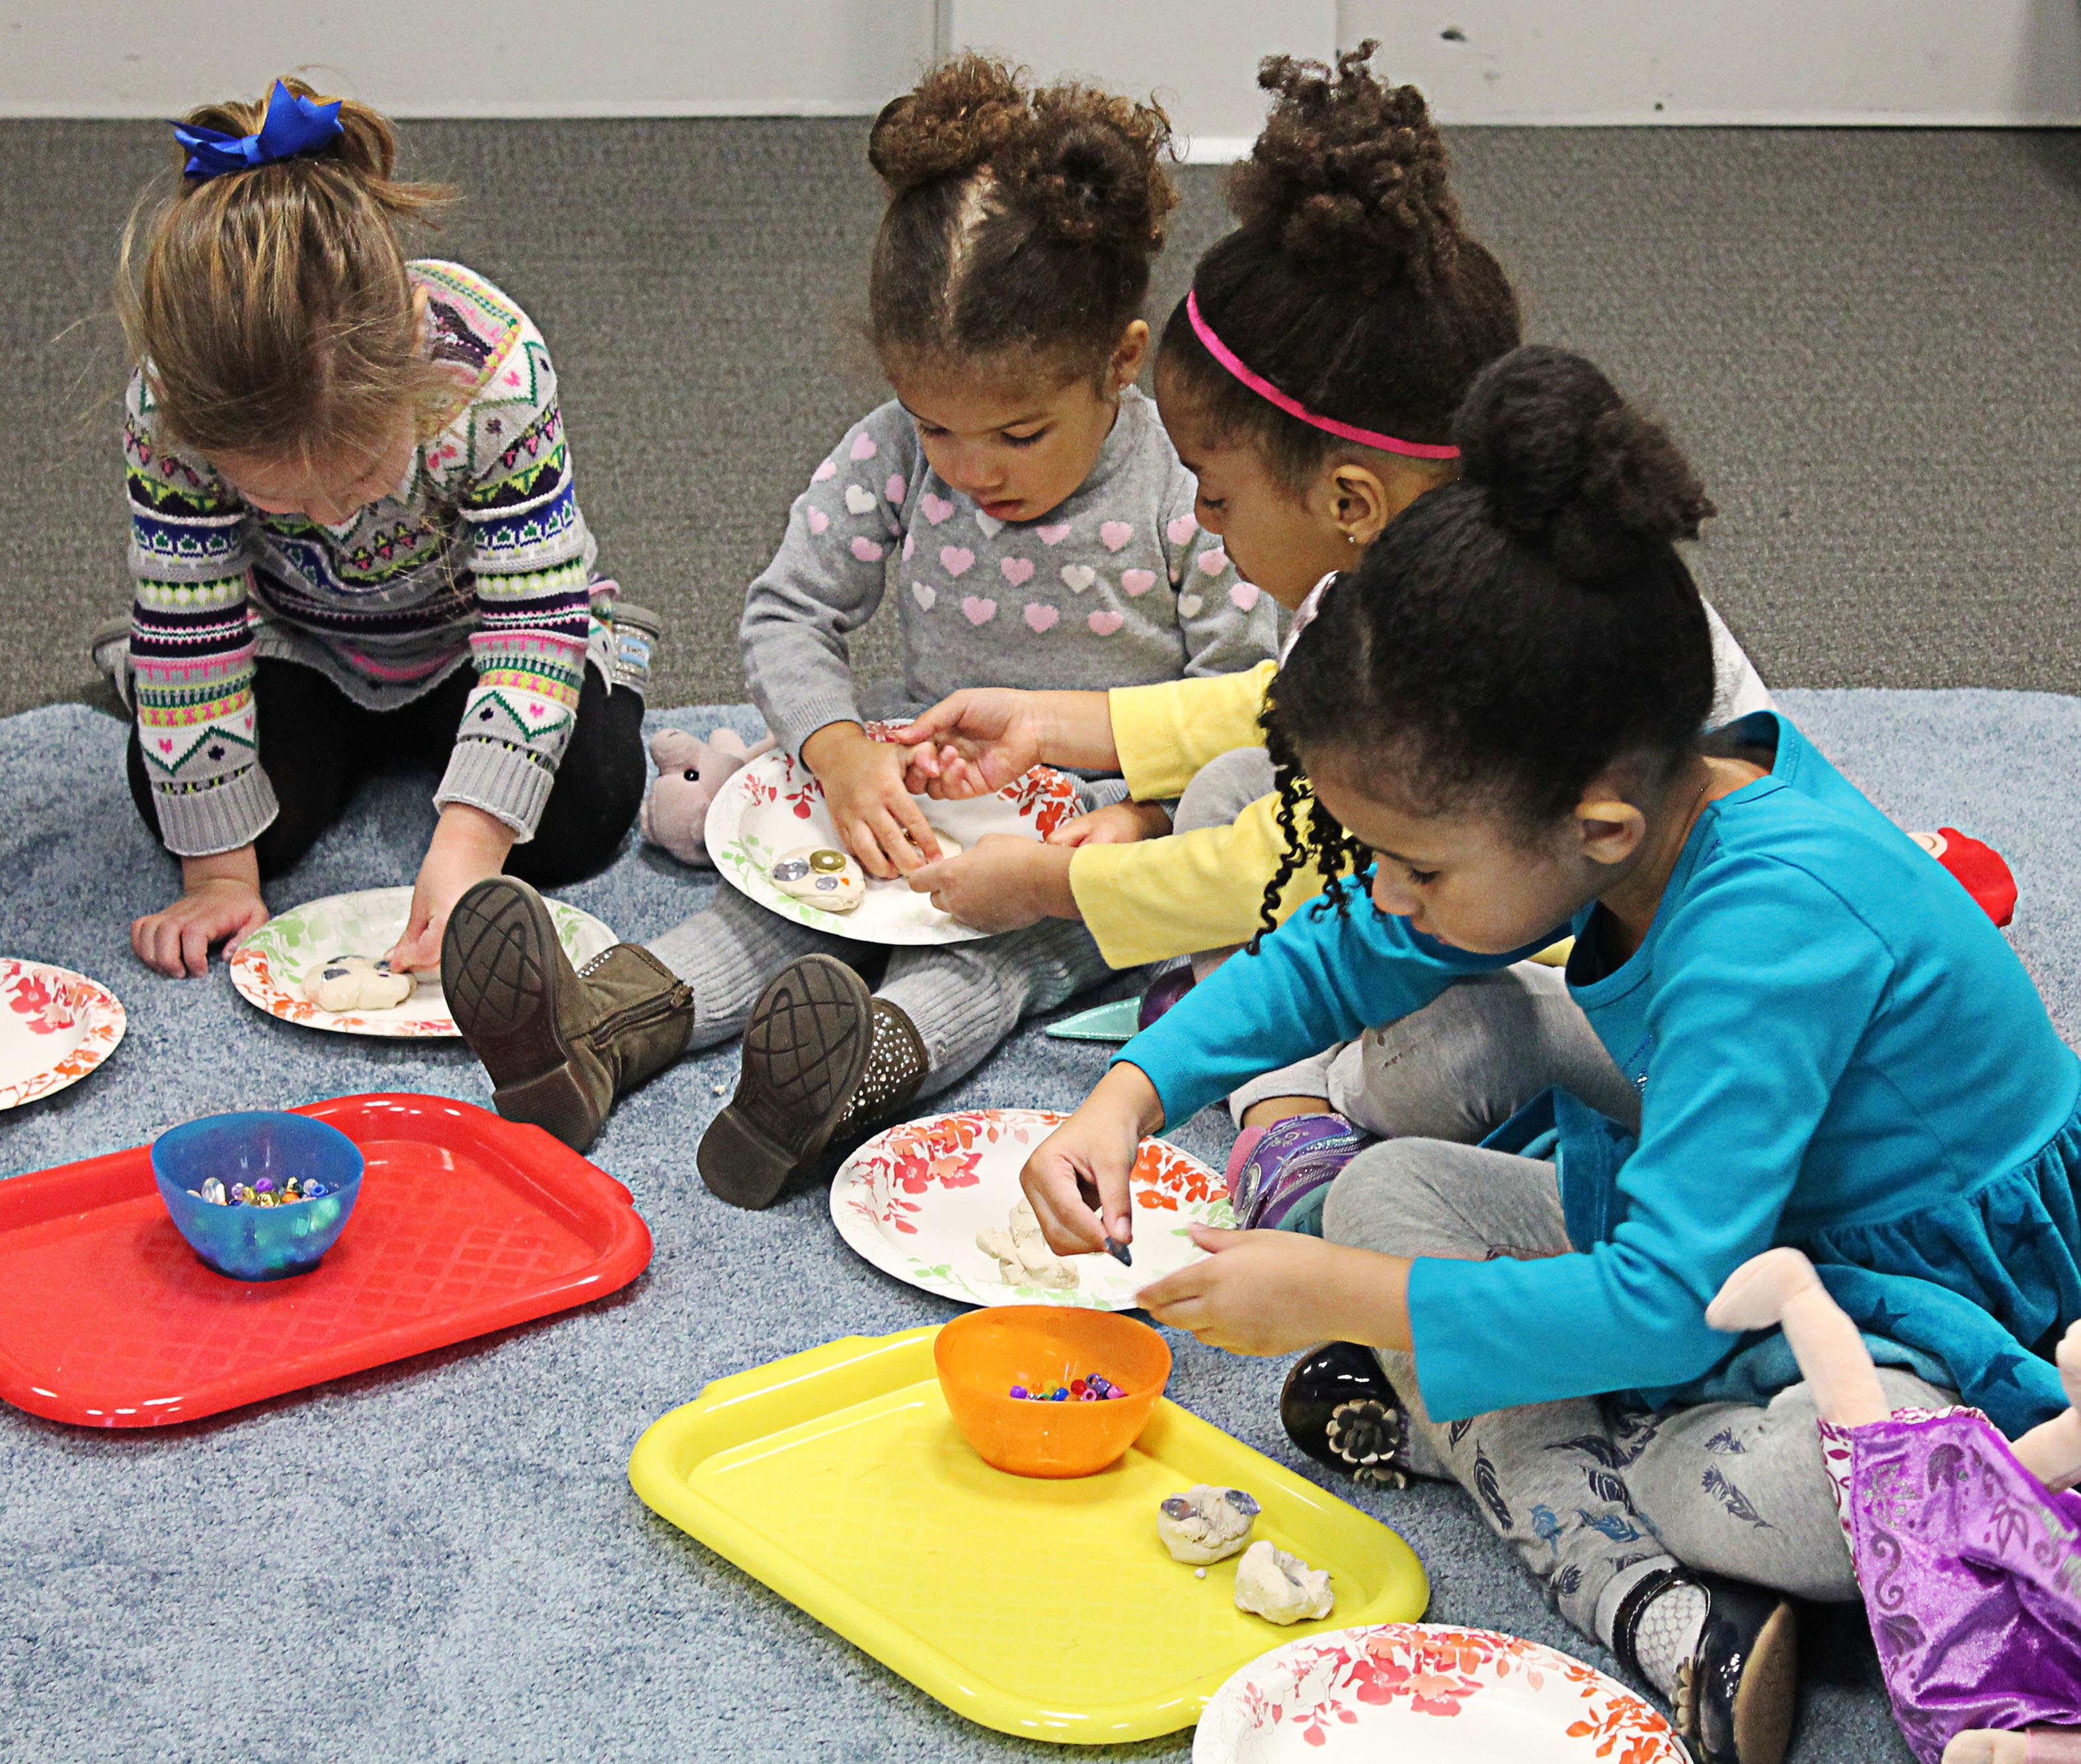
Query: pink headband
[1293,407]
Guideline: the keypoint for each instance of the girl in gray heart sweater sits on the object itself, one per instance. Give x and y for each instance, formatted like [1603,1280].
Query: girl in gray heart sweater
[1021,500]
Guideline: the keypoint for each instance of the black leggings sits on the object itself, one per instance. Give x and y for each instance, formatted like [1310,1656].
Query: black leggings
[319,748]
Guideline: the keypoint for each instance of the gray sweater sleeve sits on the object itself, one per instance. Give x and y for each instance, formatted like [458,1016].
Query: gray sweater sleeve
[826,579]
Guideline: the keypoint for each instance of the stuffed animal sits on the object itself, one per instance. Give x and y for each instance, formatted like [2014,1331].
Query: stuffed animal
[1967,1546]
[690,771]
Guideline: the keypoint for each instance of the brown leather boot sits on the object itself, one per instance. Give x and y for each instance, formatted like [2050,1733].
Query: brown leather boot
[560,1044]
[822,1057]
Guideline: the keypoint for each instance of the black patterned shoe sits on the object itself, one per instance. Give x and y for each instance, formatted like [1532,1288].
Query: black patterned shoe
[1339,1407]
[1738,1697]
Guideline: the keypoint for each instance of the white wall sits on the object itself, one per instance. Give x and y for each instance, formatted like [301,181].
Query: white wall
[1864,62]
[514,58]
[1480,61]
[1200,59]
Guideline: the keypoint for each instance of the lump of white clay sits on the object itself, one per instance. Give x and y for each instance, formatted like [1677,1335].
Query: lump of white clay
[1206,1523]
[355,983]
[949,846]
[822,877]
[1281,1588]
[1024,1258]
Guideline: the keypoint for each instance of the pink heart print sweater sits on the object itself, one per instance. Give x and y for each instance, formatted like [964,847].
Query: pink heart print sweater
[1118,586]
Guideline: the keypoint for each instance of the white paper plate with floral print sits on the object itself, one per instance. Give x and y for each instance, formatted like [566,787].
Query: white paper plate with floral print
[1427,1693]
[912,1199]
[774,806]
[268,968]
[55,1026]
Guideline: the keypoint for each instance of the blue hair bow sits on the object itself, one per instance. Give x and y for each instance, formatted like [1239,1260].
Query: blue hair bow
[292,126]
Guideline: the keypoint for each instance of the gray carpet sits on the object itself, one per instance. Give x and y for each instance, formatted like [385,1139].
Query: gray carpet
[1872,340]
[442,1559]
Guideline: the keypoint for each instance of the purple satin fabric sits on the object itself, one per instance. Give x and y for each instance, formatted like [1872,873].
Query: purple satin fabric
[1971,1573]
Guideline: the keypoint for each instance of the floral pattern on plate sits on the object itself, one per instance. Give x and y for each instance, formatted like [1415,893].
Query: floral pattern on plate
[268,967]
[766,808]
[1377,1692]
[57,1027]
[912,1198]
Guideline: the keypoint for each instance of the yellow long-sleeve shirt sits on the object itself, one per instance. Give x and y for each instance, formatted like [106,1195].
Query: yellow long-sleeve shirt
[1161,898]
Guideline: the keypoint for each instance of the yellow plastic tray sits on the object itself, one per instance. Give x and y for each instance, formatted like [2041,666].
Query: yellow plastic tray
[1041,1608]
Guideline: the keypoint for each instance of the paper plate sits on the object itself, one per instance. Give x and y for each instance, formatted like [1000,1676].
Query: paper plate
[268,968]
[769,808]
[55,1026]
[1427,1693]
[912,1199]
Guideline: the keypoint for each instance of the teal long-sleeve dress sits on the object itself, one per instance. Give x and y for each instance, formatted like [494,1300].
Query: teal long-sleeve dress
[1835,1049]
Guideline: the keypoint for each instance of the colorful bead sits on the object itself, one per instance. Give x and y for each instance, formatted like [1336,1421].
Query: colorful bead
[1019,1390]
[315,1191]
[265,1185]
[213,1191]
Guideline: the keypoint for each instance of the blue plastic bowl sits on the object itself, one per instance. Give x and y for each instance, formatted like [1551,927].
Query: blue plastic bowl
[257,1243]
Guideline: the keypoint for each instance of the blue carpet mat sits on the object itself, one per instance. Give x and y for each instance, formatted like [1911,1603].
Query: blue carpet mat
[442,1559]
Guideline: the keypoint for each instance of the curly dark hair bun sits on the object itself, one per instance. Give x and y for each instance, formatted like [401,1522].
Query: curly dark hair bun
[1090,170]
[1349,283]
[1019,221]
[960,114]
[1569,467]
[1349,175]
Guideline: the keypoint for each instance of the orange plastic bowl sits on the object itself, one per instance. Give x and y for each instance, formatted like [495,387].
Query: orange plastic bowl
[981,1356]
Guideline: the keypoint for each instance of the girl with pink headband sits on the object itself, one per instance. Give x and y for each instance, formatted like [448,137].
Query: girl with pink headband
[1310,379]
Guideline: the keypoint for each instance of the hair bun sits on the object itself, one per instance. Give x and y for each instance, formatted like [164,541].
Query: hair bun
[1348,174]
[961,115]
[1089,169]
[1569,467]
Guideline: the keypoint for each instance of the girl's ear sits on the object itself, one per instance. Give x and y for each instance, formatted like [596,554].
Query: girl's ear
[1350,500]
[1129,356]
[1608,830]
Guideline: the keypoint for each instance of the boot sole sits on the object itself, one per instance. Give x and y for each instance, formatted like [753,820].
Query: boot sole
[498,967]
[805,1050]
[1767,1704]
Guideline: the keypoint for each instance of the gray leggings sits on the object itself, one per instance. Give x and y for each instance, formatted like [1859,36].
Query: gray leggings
[1590,1495]
[965,998]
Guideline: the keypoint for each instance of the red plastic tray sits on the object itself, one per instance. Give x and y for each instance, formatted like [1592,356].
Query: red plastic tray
[466,1223]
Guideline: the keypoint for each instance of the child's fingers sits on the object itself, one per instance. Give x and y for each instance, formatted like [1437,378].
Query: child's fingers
[859,838]
[923,847]
[1070,1226]
[1183,1285]
[194,950]
[1072,831]
[935,721]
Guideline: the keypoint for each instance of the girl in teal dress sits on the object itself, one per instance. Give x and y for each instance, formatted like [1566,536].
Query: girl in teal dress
[1830,1044]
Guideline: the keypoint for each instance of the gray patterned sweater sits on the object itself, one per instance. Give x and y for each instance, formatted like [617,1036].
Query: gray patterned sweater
[1118,586]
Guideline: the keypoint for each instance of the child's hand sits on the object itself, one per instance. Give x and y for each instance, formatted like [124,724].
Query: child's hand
[1077,1179]
[221,900]
[973,742]
[863,783]
[1277,1292]
[469,847]
[1117,823]
[1002,882]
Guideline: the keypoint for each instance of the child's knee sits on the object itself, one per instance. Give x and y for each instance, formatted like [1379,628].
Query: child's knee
[1385,1199]
[1223,787]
